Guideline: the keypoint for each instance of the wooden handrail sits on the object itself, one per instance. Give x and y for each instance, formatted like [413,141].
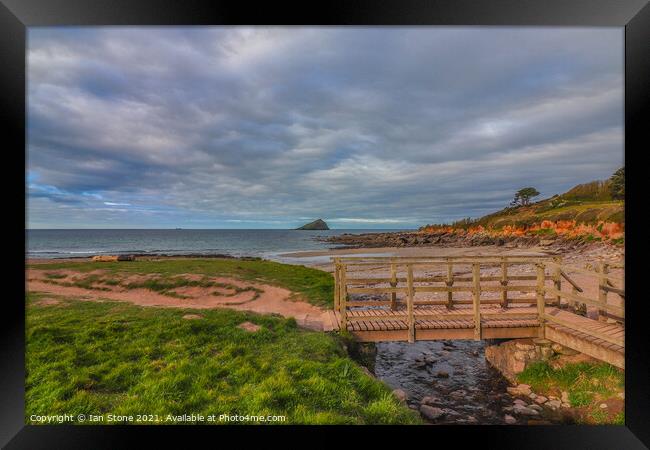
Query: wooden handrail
[615,290]
[571,282]
[579,270]
[589,301]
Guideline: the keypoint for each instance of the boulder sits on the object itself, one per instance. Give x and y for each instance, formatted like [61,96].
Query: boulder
[428,400]
[431,412]
[525,410]
[565,397]
[553,404]
[113,258]
[401,395]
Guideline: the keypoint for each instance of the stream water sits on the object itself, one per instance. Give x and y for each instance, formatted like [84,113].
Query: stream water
[456,378]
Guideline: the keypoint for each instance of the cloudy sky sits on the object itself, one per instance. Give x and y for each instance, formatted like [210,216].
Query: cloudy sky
[230,127]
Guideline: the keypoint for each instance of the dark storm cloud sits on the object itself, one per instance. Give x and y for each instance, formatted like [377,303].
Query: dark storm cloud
[390,127]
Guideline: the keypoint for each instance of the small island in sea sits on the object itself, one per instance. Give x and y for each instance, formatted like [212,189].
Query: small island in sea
[318,224]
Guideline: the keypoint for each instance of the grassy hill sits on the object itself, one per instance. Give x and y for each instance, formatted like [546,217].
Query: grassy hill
[585,210]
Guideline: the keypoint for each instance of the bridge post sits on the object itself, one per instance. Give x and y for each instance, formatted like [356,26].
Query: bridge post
[409,304]
[393,284]
[337,296]
[603,269]
[541,294]
[504,282]
[557,278]
[343,298]
[450,283]
[476,276]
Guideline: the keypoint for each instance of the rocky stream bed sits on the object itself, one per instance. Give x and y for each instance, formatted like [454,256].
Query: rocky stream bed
[450,382]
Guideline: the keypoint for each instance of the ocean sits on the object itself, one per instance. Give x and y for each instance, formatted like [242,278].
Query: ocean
[267,244]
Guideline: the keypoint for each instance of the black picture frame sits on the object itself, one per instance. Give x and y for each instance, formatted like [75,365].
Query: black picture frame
[634,15]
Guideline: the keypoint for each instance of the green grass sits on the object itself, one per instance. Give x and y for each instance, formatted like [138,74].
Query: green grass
[312,285]
[587,384]
[112,357]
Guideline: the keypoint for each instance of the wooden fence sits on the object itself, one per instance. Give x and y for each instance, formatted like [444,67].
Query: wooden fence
[546,269]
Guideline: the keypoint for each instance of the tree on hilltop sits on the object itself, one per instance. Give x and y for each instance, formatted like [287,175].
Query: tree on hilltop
[523,196]
[617,184]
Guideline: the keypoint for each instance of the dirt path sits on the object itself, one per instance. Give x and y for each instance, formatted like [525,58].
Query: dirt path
[237,294]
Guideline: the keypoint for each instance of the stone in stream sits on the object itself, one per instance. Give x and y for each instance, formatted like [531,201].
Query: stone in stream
[429,400]
[430,412]
[535,407]
[401,395]
[540,399]
[509,419]
[520,409]
[519,402]
[459,393]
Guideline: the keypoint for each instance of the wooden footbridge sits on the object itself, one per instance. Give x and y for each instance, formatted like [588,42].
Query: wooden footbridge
[481,297]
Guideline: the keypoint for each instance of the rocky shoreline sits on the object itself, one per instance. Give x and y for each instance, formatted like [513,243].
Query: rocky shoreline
[446,239]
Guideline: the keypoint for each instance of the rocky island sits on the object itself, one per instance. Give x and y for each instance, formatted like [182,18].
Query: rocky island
[318,224]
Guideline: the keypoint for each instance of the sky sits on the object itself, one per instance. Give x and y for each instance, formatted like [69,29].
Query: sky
[272,127]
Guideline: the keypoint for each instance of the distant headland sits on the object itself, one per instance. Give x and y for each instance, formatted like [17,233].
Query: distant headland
[318,224]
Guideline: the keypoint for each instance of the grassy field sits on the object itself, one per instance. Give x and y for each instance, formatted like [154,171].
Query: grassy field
[588,385]
[99,358]
[311,285]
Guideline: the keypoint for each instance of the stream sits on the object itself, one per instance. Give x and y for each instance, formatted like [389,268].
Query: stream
[455,377]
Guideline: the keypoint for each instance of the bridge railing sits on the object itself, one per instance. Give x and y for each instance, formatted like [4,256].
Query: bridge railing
[546,269]
[347,284]
[606,284]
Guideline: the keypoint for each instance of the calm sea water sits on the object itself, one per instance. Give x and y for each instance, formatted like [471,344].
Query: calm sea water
[262,243]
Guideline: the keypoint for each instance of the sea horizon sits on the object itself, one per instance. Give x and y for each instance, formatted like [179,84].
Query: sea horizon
[238,242]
